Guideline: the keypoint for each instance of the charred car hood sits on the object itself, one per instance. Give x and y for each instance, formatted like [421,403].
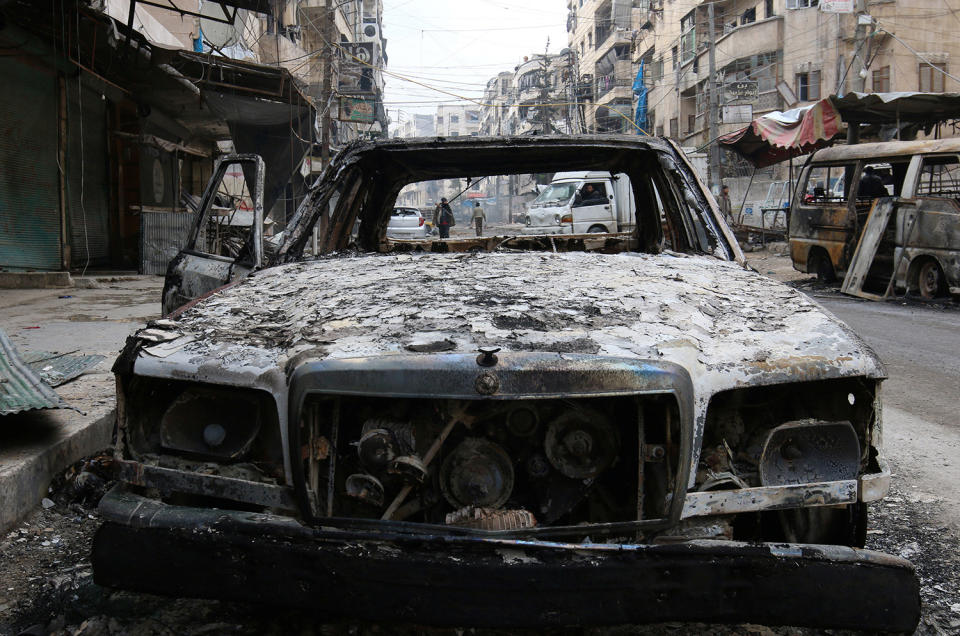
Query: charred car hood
[724,324]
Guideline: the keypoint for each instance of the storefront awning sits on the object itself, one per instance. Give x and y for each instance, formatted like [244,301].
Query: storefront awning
[779,136]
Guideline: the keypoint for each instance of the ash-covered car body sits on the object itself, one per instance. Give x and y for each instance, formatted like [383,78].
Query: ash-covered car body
[523,430]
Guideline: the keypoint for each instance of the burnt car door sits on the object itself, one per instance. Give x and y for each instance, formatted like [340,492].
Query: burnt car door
[226,242]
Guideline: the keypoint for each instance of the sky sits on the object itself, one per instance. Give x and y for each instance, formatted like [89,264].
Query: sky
[457,45]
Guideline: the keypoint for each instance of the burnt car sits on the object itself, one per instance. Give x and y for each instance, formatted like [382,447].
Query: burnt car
[502,431]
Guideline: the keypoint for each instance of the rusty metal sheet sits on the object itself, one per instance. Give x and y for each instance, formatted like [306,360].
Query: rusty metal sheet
[58,368]
[880,214]
[20,388]
[720,502]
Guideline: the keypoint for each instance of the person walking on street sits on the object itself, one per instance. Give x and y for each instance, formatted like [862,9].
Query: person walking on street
[443,217]
[725,208]
[479,218]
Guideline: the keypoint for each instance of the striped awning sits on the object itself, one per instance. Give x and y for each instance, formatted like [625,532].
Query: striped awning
[777,136]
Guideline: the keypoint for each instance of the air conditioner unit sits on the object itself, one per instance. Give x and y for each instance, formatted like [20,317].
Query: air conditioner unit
[370,32]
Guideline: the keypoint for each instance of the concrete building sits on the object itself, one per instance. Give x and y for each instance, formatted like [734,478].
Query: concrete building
[414,125]
[600,34]
[780,54]
[457,120]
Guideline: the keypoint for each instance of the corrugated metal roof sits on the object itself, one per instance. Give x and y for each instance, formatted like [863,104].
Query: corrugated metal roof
[20,388]
[58,368]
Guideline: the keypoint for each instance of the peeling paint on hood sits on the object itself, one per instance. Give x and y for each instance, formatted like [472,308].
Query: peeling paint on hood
[713,317]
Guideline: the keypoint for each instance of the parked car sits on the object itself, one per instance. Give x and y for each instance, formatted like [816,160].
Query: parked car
[407,223]
[918,245]
[583,203]
[519,431]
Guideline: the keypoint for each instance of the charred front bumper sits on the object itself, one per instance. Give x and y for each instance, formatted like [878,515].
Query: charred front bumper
[443,579]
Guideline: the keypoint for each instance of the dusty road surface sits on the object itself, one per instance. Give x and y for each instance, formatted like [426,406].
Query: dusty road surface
[47,585]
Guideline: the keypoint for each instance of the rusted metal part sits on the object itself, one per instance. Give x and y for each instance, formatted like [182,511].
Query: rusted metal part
[21,389]
[719,502]
[473,581]
[58,368]
[809,451]
[491,518]
[875,486]
[181,481]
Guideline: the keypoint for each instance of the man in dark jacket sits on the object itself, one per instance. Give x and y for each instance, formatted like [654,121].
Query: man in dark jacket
[443,217]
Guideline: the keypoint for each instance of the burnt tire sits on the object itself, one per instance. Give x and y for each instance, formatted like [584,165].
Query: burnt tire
[930,282]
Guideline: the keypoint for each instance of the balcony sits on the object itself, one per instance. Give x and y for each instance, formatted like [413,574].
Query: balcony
[616,84]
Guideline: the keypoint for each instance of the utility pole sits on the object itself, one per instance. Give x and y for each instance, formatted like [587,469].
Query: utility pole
[544,92]
[326,91]
[713,115]
[859,65]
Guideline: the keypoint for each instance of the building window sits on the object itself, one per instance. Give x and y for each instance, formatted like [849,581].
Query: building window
[454,119]
[674,128]
[802,4]
[808,86]
[691,123]
[750,15]
[881,80]
[454,133]
[688,37]
[931,79]
[673,57]
[768,8]
[590,40]
[581,48]
[659,131]
[473,115]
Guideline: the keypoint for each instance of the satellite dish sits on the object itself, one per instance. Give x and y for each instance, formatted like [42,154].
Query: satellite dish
[216,32]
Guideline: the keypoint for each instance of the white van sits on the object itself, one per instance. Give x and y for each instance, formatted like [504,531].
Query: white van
[583,203]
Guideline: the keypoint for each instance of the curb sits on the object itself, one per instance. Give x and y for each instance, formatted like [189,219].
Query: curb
[28,466]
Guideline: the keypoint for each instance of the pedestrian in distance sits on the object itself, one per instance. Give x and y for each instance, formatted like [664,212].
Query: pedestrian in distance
[479,218]
[444,218]
[726,209]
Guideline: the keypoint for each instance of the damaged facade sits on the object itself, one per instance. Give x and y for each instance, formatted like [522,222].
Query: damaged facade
[584,429]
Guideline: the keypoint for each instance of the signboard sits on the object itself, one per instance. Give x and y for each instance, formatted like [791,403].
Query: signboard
[356,72]
[740,90]
[357,109]
[737,113]
[836,6]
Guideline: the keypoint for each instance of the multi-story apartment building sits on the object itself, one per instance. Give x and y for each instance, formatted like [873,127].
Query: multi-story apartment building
[780,54]
[293,35]
[600,34]
[457,120]
[414,125]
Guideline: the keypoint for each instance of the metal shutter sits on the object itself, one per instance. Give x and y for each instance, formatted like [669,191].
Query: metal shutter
[87,175]
[29,184]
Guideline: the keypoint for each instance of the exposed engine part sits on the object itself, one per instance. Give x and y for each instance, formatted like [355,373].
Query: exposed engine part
[365,488]
[477,473]
[581,443]
[722,481]
[410,468]
[491,518]
[522,421]
[810,451]
[538,466]
[377,448]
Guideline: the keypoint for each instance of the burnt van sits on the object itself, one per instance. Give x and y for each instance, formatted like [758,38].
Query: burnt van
[917,249]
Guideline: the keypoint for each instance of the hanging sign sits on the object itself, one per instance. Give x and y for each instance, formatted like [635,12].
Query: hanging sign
[836,6]
[356,109]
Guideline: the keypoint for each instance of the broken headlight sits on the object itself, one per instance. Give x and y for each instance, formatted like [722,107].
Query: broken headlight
[211,422]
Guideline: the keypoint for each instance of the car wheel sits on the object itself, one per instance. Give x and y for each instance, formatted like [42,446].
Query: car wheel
[597,229]
[930,280]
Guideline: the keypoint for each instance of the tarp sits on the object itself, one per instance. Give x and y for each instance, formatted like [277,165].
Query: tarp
[779,136]
[891,108]
[640,90]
